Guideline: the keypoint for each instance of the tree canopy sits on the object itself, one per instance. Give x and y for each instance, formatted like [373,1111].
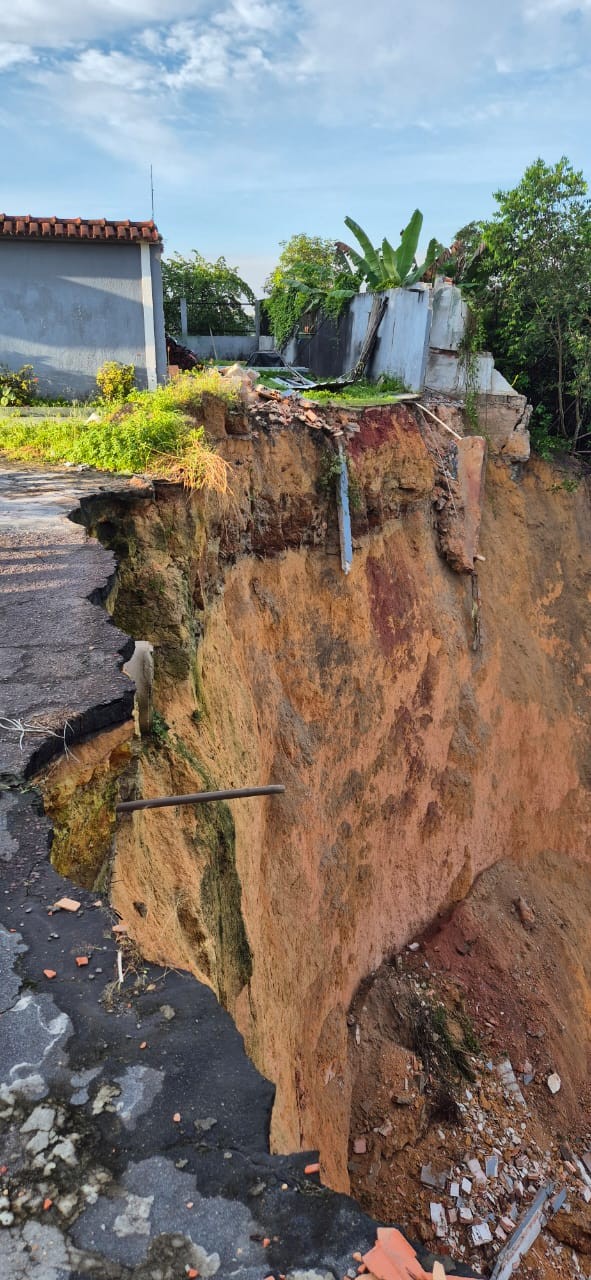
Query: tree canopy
[311,272]
[215,293]
[318,275]
[533,286]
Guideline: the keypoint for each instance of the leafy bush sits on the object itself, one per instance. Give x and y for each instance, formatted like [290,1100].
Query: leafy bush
[115,381]
[312,275]
[215,294]
[17,386]
[155,431]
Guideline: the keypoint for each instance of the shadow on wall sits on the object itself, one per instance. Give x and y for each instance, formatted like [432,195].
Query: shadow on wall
[66,309]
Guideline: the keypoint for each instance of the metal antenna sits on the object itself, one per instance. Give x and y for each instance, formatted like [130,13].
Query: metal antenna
[152,189]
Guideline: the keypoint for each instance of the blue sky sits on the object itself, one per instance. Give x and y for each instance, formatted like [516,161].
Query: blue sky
[262,118]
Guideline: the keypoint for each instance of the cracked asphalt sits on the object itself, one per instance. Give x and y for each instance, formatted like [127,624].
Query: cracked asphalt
[134,1131]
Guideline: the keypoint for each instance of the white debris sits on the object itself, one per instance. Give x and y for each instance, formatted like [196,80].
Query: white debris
[554,1082]
[439,1219]
[509,1082]
[481,1233]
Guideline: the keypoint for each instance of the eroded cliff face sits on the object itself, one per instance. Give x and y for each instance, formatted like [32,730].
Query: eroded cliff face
[423,729]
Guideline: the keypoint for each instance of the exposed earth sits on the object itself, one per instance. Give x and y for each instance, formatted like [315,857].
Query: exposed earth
[409,917]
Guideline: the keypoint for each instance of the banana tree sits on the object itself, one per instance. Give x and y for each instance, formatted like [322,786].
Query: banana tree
[386,267]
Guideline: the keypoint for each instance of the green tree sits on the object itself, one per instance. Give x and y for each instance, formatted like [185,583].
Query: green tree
[215,293]
[535,290]
[312,274]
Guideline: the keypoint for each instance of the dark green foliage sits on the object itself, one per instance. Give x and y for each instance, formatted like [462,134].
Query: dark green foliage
[441,1053]
[215,295]
[312,274]
[388,268]
[533,285]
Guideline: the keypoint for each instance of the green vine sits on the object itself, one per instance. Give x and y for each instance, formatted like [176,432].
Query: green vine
[472,343]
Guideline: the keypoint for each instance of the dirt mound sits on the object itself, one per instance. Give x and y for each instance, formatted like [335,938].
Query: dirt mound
[438,1118]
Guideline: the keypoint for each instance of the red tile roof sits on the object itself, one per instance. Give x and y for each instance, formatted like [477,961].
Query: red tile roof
[27,228]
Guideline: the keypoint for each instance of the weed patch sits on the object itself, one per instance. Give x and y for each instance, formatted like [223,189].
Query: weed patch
[156,431]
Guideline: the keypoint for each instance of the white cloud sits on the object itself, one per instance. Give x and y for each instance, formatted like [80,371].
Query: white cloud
[14,55]
[92,66]
[53,23]
[141,78]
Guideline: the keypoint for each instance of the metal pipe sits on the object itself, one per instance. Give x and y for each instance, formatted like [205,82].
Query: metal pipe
[198,797]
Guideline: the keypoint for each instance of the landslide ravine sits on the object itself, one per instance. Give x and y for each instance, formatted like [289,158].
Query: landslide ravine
[412,760]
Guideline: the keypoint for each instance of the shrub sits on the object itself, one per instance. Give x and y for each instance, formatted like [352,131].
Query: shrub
[115,381]
[157,431]
[17,386]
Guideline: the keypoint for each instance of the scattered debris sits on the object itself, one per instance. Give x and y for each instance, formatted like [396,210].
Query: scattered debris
[554,1082]
[66,904]
[81,961]
[312,1168]
[431,1178]
[509,1082]
[393,1258]
[481,1233]
[528,1230]
[526,913]
[50,973]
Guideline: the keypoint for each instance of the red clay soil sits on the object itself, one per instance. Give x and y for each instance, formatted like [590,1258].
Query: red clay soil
[517,980]
[528,987]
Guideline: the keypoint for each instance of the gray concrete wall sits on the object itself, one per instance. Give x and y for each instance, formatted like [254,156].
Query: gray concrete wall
[158,299]
[450,315]
[403,337]
[226,346]
[67,307]
[446,373]
[401,347]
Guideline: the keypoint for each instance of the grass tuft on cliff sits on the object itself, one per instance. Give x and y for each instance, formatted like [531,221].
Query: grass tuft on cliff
[156,431]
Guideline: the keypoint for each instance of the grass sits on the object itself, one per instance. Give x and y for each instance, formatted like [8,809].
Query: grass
[156,431]
[360,394]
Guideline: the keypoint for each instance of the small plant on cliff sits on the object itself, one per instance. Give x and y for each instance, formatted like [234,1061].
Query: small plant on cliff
[160,729]
[361,394]
[473,341]
[115,381]
[329,473]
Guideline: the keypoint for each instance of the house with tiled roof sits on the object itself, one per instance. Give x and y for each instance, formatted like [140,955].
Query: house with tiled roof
[74,293]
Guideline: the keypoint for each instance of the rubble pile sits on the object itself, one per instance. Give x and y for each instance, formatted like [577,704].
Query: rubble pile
[267,410]
[478,1203]
[484,1186]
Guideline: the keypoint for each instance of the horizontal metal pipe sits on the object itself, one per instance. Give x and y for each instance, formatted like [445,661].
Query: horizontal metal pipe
[198,797]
